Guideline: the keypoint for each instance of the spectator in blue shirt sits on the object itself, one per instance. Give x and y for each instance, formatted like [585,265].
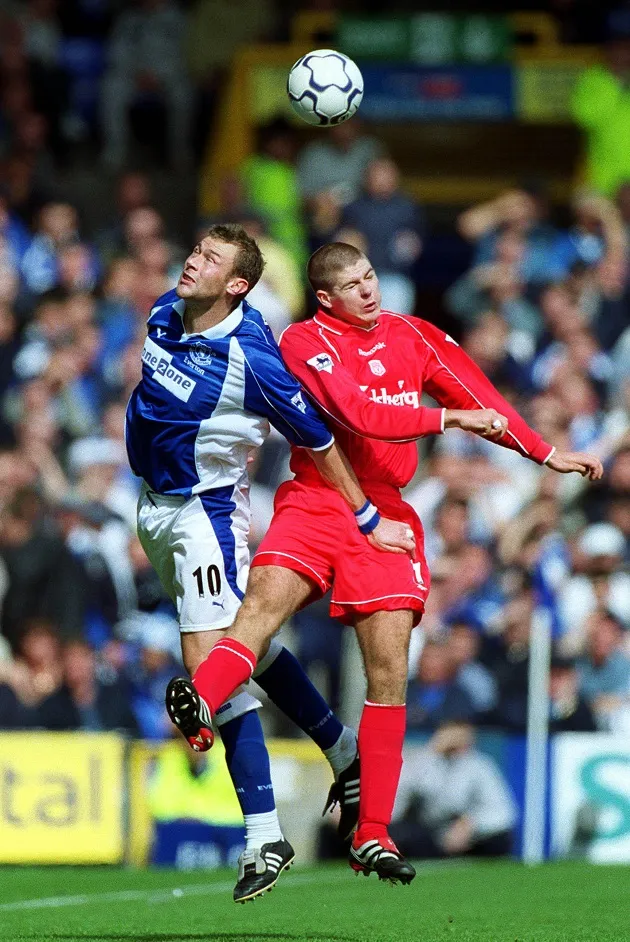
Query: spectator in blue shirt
[57,229]
[521,211]
[435,695]
[393,227]
[604,671]
[464,644]
[151,672]
[13,232]
[89,699]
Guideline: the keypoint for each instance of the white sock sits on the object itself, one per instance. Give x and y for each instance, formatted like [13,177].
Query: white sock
[343,752]
[262,829]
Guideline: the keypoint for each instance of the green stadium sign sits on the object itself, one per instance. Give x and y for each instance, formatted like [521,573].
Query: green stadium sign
[427,38]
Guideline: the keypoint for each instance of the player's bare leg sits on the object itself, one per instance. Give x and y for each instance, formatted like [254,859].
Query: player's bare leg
[267,854]
[196,646]
[273,594]
[384,641]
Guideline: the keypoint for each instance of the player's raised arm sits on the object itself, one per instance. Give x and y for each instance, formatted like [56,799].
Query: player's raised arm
[273,392]
[455,381]
[339,395]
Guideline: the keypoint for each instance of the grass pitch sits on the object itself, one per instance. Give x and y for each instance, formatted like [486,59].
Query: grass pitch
[493,902]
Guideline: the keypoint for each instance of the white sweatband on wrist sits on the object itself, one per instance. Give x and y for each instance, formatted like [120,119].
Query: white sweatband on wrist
[367,517]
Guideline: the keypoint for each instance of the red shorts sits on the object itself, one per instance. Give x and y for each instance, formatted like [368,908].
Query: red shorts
[314,532]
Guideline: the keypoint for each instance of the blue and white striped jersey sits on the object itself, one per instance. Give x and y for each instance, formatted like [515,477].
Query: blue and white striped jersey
[206,399]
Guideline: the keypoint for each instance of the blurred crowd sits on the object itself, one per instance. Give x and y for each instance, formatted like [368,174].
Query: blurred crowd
[88,640]
[93,73]
[544,312]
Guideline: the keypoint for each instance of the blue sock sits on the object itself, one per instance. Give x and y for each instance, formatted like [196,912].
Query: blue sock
[248,763]
[287,684]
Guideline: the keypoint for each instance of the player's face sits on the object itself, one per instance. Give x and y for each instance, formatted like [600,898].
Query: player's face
[208,272]
[355,297]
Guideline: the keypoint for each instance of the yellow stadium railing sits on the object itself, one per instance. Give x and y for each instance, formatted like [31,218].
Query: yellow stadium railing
[254,92]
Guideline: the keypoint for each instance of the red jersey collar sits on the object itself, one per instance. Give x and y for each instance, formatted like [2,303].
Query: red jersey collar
[336,326]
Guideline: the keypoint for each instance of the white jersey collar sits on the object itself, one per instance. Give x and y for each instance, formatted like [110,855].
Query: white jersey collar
[227,326]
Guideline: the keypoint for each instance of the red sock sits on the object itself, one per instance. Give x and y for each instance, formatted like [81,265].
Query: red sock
[381,735]
[228,665]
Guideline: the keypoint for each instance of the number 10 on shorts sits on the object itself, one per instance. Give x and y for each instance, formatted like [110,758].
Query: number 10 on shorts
[212,577]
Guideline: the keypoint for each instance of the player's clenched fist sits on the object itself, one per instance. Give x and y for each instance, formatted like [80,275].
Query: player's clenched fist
[485,422]
[393,536]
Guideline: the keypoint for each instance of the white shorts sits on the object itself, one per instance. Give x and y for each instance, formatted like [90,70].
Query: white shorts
[198,548]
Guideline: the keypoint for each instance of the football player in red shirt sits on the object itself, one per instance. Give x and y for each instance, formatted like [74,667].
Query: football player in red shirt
[366,370]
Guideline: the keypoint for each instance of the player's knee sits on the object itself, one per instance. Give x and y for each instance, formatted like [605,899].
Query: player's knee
[255,624]
[258,611]
[264,600]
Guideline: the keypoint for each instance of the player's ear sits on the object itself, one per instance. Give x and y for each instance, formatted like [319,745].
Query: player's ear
[237,286]
[324,298]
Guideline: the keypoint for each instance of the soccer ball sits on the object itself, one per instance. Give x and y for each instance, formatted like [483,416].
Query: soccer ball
[325,87]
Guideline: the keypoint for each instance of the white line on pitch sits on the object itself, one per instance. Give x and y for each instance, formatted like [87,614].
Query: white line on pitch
[196,889]
[153,896]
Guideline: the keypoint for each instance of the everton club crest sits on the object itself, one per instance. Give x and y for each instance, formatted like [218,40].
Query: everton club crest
[200,354]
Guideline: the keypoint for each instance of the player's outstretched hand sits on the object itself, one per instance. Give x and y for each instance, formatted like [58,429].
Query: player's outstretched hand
[485,422]
[392,536]
[589,466]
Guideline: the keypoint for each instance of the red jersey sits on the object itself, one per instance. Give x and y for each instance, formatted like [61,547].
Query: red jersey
[368,383]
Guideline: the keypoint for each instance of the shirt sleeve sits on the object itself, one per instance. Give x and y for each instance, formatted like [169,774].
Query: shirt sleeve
[272,392]
[333,388]
[455,381]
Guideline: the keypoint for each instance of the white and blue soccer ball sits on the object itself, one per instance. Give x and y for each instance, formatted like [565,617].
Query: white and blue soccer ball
[325,87]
